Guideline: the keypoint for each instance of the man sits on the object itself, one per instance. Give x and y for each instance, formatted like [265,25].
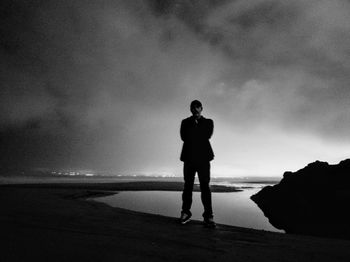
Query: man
[196,154]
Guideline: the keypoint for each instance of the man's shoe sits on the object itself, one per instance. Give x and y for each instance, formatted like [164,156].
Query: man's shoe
[209,222]
[184,218]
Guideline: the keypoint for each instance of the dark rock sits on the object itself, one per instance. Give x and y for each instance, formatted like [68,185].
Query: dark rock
[312,201]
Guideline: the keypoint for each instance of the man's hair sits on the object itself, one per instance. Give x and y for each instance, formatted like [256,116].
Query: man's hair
[196,103]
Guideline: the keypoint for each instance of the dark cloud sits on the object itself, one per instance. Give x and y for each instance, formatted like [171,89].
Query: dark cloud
[289,57]
[103,84]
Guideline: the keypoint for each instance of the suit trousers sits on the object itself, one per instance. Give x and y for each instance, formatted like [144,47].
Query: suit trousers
[203,170]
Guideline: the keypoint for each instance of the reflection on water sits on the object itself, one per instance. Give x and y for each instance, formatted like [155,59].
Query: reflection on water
[229,208]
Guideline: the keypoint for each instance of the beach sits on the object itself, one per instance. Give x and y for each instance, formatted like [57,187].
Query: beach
[56,222]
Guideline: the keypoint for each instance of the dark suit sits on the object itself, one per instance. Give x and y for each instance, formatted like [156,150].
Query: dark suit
[196,155]
[196,135]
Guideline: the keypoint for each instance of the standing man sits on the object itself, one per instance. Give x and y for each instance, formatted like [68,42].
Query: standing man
[196,154]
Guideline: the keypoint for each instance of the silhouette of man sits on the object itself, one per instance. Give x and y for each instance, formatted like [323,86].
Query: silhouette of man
[196,154]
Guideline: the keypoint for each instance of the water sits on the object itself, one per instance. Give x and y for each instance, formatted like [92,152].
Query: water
[234,208]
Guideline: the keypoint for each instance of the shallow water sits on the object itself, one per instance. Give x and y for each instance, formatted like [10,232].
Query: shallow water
[229,208]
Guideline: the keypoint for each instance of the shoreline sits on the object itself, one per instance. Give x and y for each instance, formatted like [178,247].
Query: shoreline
[125,186]
[55,223]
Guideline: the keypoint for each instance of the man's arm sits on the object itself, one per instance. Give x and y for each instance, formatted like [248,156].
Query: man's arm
[210,128]
[182,131]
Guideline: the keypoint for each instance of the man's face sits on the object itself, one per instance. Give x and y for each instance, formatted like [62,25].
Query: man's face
[196,111]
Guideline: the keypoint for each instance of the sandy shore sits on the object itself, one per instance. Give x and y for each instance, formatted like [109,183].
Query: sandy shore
[54,222]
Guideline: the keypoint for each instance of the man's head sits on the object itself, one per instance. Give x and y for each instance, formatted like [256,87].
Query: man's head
[196,108]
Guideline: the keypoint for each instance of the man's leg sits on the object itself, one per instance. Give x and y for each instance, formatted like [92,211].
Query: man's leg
[189,174]
[204,179]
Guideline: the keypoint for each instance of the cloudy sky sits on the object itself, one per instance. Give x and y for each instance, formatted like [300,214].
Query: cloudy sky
[103,85]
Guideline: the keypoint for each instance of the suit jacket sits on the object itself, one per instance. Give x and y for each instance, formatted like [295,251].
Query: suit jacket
[195,136]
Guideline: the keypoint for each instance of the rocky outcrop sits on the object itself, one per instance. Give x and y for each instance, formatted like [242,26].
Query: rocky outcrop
[314,200]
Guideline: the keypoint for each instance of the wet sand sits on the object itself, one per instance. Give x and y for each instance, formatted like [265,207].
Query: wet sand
[55,222]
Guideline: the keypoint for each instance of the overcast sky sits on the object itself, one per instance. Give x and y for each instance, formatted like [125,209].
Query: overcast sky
[103,85]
